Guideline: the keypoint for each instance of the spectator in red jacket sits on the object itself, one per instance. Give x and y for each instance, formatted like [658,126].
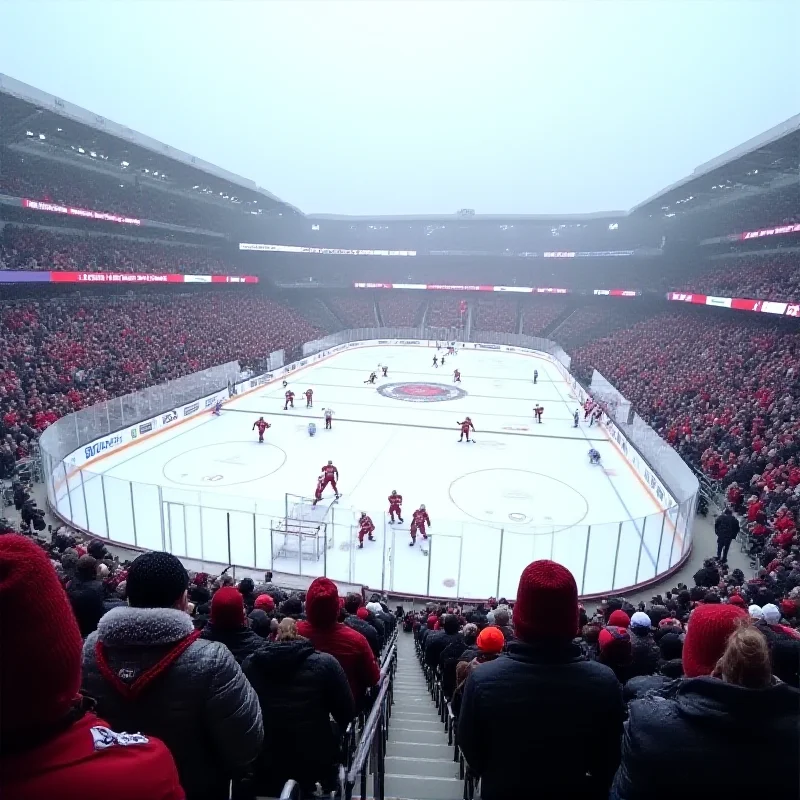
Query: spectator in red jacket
[327,635]
[51,744]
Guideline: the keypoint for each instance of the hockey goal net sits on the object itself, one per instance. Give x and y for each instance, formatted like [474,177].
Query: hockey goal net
[304,532]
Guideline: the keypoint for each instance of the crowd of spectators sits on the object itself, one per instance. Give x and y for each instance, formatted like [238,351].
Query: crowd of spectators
[539,312]
[60,355]
[401,309]
[182,681]
[31,248]
[54,180]
[656,701]
[444,311]
[496,314]
[354,310]
[775,276]
[729,403]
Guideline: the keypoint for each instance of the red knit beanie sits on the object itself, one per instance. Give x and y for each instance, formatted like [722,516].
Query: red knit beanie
[40,658]
[227,608]
[432,620]
[491,640]
[620,619]
[264,602]
[362,613]
[322,603]
[547,602]
[710,626]
[737,600]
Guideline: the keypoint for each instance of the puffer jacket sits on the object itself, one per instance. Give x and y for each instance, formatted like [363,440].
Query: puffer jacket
[242,642]
[150,673]
[366,630]
[298,689]
[703,726]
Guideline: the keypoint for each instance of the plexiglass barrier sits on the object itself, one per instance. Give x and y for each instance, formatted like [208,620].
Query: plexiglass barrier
[458,559]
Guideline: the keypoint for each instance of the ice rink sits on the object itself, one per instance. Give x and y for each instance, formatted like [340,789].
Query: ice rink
[206,489]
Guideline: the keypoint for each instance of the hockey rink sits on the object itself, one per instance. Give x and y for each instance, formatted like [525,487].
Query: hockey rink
[207,490]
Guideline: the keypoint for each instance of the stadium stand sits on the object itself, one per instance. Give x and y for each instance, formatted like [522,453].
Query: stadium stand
[400,309]
[354,310]
[443,312]
[539,313]
[32,248]
[497,314]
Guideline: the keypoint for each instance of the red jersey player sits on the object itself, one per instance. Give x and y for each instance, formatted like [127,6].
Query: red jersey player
[385,371]
[289,399]
[456,376]
[588,405]
[309,398]
[331,475]
[466,426]
[395,501]
[318,490]
[365,528]
[537,412]
[262,425]
[419,519]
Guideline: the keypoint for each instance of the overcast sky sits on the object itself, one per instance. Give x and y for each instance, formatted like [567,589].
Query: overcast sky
[375,107]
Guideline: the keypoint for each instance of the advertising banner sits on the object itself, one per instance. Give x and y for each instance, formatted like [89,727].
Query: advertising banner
[72,211]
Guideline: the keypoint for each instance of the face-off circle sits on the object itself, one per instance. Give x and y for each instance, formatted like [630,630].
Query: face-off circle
[421,392]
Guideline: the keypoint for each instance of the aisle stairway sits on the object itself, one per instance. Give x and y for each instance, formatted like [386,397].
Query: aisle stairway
[419,762]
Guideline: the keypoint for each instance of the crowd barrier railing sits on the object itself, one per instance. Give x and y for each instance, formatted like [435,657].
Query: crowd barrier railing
[464,559]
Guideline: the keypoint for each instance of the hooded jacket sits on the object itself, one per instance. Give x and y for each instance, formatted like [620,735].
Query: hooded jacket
[347,646]
[298,688]
[242,642]
[706,725]
[150,673]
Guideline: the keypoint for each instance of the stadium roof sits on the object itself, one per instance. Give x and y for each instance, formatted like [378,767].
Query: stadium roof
[34,119]
[766,161]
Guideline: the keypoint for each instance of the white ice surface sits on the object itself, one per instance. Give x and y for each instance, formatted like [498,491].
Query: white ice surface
[522,491]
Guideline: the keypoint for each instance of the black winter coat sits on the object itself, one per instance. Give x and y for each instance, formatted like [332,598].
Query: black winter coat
[298,689]
[703,726]
[523,714]
[242,642]
[435,645]
[726,527]
[448,659]
[86,599]
[366,630]
[645,655]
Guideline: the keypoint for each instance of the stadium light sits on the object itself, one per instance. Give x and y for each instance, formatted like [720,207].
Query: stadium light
[93,154]
[29,133]
[125,164]
[81,150]
[42,136]
[59,130]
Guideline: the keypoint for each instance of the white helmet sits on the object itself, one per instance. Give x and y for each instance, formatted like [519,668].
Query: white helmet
[422,507]
[330,463]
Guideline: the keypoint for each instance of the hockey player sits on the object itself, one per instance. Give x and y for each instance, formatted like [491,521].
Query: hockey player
[289,399]
[331,475]
[385,371]
[285,384]
[576,418]
[318,490]
[442,361]
[262,425]
[456,376]
[535,376]
[328,414]
[312,429]
[395,501]
[451,350]
[217,408]
[596,416]
[587,407]
[537,412]
[466,426]
[436,362]
[365,528]
[372,378]
[419,519]
[309,393]
[594,456]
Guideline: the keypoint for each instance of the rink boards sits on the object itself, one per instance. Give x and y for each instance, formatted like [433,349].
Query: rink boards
[202,487]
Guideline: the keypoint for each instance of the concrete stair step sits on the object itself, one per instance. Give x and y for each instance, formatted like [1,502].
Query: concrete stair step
[422,767]
[425,723]
[402,715]
[423,788]
[407,733]
[410,749]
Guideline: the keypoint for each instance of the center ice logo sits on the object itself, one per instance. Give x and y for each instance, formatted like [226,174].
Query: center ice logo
[421,392]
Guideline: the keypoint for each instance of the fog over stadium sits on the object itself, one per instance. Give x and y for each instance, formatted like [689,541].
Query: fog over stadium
[419,108]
